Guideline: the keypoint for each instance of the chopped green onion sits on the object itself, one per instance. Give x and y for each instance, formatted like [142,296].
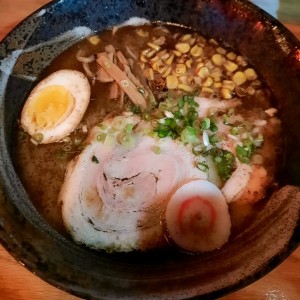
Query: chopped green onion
[38,137]
[128,128]
[205,124]
[189,135]
[22,135]
[102,126]
[180,103]
[197,150]
[177,114]
[202,166]
[60,154]
[141,90]
[67,147]
[135,109]
[235,130]
[213,139]
[171,123]
[146,117]
[224,160]
[242,154]
[218,159]
[213,127]
[101,137]
[127,141]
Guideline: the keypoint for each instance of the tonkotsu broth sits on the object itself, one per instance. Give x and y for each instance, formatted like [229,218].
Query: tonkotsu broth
[42,167]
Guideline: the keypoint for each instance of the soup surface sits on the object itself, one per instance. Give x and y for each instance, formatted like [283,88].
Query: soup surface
[172,141]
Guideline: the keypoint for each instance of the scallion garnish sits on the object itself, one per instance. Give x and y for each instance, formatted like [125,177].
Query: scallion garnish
[234,130]
[146,117]
[243,154]
[128,128]
[180,119]
[202,166]
[224,160]
[189,135]
[101,137]
[205,124]
[213,127]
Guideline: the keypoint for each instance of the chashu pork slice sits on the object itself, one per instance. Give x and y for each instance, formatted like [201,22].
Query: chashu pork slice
[113,196]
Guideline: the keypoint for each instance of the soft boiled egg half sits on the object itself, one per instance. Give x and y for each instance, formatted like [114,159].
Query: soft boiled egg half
[56,106]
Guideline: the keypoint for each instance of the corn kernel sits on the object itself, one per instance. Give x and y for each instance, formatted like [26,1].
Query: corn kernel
[180,69]
[167,71]
[250,74]
[250,90]
[144,52]
[149,74]
[229,84]
[217,85]
[218,59]
[183,80]
[239,78]
[208,82]
[196,51]
[94,40]
[172,82]
[160,41]
[241,61]
[185,88]
[199,64]
[216,74]
[213,42]
[230,66]
[170,59]
[203,72]
[183,47]
[143,58]
[185,37]
[192,41]
[158,66]
[221,50]
[154,46]
[177,53]
[226,93]
[142,33]
[154,59]
[207,90]
[188,63]
[231,55]
[150,53]
[161,53]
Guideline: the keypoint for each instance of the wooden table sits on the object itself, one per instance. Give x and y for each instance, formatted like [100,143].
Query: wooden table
[17,283]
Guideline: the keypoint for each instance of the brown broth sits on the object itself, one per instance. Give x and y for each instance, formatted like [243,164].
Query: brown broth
[42,168]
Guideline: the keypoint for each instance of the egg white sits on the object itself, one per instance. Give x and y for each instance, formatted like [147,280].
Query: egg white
[78,85]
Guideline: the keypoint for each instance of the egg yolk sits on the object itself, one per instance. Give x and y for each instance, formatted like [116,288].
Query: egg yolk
[50,106]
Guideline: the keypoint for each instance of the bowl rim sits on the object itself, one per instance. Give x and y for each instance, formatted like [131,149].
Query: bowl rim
[34,268]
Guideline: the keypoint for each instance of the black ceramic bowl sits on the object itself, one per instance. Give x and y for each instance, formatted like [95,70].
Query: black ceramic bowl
[271,48]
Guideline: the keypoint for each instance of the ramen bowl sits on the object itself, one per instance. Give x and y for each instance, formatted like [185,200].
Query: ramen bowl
[162,274]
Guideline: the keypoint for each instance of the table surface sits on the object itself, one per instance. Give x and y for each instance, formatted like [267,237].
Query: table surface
[17,283]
